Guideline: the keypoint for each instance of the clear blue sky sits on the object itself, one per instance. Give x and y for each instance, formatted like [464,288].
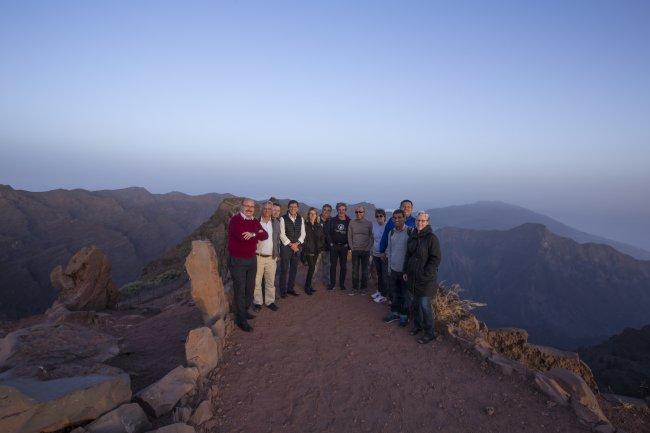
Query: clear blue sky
[541,104]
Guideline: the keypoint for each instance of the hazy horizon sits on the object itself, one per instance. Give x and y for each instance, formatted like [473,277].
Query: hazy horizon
[544,106]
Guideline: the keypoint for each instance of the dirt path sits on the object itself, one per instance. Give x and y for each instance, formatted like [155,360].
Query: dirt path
[327,363]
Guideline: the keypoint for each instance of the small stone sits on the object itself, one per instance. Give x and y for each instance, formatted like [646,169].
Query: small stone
[489,410]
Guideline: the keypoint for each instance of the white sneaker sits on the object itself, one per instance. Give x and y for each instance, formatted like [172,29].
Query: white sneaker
[376,295]
[379,299]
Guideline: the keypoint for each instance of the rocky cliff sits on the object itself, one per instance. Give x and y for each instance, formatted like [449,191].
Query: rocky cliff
[41,230]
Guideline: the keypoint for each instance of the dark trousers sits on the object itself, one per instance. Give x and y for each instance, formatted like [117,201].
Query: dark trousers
[289,263]
[311,268]
[423,315]
[243,283]
[360,259]
[338,253]
[382,275]
[401,296]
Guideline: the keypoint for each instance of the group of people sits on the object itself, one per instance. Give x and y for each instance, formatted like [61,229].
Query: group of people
[403,250]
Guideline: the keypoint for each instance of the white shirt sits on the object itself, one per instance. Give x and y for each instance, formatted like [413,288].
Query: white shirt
[245,217]
[266,246]
[283,237]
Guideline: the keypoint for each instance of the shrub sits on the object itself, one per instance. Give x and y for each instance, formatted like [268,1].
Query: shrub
[449,307]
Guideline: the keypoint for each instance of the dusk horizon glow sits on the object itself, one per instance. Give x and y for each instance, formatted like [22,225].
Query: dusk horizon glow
[544,106]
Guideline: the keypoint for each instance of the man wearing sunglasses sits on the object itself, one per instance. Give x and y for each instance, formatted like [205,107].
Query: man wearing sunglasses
[361,241]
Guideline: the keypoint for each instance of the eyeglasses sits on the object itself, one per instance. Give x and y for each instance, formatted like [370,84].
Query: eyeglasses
[358,211]
[421,221]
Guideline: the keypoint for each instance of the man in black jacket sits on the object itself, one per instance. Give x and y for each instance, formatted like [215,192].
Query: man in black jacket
[337,236]
[292,236]
[422,261]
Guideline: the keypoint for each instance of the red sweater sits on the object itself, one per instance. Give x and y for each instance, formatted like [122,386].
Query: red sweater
[237,245]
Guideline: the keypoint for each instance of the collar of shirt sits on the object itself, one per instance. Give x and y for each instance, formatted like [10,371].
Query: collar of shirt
[245,217]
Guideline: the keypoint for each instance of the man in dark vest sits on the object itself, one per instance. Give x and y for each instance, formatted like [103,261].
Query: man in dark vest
[292,236]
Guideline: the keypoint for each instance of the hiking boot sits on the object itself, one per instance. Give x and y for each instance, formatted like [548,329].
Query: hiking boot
[391,318]
[272,307]
[245,327]
[256,307]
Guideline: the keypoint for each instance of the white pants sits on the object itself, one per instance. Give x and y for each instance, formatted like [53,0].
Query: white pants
[265,268]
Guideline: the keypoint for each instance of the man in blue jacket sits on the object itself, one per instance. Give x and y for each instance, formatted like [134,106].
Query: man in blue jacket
[407,208]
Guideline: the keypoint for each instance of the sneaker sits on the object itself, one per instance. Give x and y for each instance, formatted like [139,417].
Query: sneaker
[272,307]
[403,322]
[375,295]
[343,288]
[257,307]
[391,318]
[379,299]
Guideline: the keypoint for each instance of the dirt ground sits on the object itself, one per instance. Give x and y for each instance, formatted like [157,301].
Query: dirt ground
[327,363]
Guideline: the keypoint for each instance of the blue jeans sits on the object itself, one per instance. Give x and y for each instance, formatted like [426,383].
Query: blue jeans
[288,265]
[401,296]
[423,315]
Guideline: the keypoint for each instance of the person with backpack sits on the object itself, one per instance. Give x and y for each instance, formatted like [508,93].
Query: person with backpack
[397,239]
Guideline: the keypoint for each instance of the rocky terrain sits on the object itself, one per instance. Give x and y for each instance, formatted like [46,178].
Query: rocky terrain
[174,365]
[564,293]
[621,364]
[40,230]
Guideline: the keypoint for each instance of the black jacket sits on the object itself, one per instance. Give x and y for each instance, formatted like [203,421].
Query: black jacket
[338,230]
[314,238]
[422,261]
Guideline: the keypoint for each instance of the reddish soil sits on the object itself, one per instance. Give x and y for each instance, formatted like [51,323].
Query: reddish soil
[327,363]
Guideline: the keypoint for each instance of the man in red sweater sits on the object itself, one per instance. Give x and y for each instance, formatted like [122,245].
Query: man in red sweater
[243,233]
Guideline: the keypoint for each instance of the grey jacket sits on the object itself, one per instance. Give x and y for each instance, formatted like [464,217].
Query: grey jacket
[276,237]
[360,235]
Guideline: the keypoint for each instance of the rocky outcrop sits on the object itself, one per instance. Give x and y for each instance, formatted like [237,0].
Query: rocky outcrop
[128,418]
[582,399]
[207,287]
[513,343]
[202,350]
[202,413]
[50,344]
[34,400]
[85,283]
[161,397]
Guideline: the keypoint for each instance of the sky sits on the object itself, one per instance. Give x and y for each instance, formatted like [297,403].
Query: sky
[540,104]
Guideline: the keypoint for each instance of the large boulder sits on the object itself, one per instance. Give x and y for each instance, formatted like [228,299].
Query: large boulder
[583,400]
[50,344]
[128,418]
[85,283]
[202,350]
[161,397]
[33,400]
[207,287]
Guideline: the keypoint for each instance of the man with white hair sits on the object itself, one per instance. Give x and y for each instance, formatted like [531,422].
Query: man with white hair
[360,240]
[244,231]
[422,261]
